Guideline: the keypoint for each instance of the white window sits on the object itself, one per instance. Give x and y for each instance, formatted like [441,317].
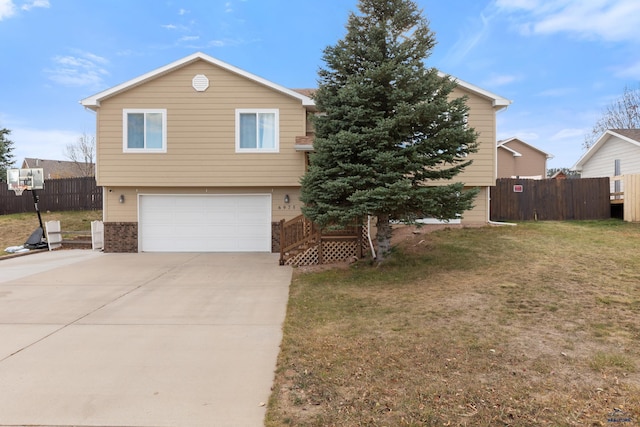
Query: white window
[257,131]
[144,131]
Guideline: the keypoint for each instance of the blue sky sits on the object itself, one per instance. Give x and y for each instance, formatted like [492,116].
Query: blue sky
[560,61]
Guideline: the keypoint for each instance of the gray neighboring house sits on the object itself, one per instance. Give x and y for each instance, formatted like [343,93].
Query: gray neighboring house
[615,153]
[56,169]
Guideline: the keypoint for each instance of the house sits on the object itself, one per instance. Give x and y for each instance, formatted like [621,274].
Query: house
[560,174]
[199,155]
[615,153]
[56,169]
[517,159]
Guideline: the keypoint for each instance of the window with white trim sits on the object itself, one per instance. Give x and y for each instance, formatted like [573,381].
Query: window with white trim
[257,130]
[144,131]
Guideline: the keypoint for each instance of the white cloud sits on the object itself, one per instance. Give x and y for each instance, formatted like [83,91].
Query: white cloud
[94,58]
[568,134]
[526,136]
[7,9]
[469,40]
[36,3]
[517,4]
[41,143]
[183,12]
[632,71]
[169,27]
[609,20]
[82,70]
[189,38]
[557,92]
[500,80]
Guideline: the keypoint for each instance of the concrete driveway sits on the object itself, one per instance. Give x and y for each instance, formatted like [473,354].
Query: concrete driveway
[92,339]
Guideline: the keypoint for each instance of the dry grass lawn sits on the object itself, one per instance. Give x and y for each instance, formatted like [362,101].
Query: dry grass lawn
[532,325]
[15,229]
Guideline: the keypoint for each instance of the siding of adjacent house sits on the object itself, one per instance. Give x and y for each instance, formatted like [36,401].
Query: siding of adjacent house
[200,134]
[506,163]
[603,161]
[532,162]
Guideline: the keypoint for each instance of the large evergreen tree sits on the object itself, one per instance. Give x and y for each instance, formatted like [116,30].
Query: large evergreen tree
[6,156]
[388,129]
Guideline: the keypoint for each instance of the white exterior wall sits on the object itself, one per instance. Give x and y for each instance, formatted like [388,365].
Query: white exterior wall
[601,164]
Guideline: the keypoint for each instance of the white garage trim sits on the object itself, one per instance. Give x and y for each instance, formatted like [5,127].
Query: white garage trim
[204,222]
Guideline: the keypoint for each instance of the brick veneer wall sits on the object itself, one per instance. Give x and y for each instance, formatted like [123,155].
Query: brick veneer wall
[120,237]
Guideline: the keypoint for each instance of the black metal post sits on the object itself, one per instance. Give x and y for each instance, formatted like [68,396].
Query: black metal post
[36,199]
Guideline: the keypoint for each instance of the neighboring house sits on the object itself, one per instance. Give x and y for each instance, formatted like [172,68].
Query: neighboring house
[55,169]
[517,159]
[615,153]
[199,155]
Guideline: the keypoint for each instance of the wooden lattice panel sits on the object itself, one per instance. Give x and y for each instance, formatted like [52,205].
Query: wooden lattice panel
[339,251]
[332,251]
[365,239]
[308,257]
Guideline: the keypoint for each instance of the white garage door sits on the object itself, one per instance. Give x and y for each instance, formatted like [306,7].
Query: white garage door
[205,223]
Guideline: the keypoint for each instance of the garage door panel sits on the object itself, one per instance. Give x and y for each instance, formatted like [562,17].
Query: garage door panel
[229,217]
[208,223]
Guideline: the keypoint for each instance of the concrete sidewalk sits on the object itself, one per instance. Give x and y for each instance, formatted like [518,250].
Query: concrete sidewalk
[92,339]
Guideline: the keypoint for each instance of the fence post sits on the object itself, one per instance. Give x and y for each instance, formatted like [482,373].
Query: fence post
[281,242]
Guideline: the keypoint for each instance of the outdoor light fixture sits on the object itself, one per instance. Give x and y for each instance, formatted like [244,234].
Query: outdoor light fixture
[121,199]
[286,198]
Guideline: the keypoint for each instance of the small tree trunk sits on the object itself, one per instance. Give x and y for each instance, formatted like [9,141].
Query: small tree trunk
[383,236]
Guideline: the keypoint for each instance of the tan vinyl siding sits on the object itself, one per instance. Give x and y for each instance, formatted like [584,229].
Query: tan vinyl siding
[200,133]
[531,163]
[482,118]
[128,211]
[480,213]
[506,164]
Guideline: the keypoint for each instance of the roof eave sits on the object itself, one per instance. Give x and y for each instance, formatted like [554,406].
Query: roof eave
[590,152]
[503,143]
[497,101]
[93,101]
[511,150]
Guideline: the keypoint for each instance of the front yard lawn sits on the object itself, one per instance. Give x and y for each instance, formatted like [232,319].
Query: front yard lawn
[532,325]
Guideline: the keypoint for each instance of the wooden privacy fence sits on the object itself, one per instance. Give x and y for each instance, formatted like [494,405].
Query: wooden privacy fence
[66,194]
[626,192]
[550,199]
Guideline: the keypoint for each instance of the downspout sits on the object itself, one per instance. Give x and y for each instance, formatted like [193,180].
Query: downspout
[373,251]
[504,108]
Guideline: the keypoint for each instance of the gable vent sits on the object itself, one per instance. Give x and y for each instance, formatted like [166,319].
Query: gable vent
[200,83]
